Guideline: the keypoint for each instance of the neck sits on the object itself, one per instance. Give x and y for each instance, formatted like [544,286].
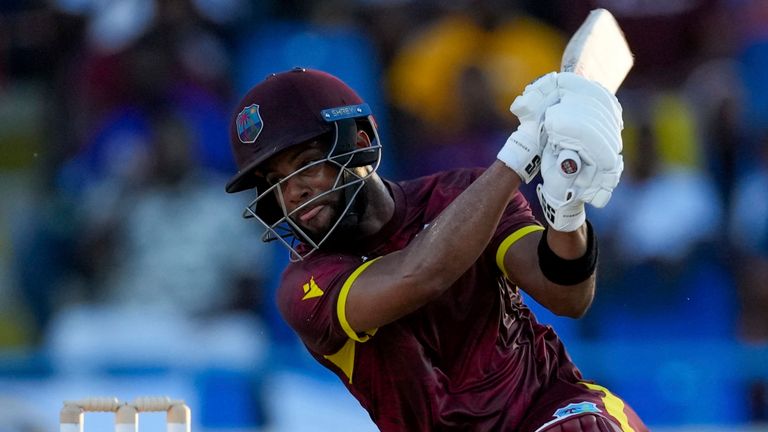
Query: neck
[380,207]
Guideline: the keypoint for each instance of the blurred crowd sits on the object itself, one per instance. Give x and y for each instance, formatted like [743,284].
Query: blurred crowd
[114,154]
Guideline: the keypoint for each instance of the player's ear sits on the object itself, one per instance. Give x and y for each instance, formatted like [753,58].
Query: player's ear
[363,140]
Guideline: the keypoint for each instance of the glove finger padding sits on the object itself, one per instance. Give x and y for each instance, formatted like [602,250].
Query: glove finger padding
[587,121]
[599,173]
[595,187]
[599,193]
[579,132]
[528,106]
[598,115]
[522,151]
[569,82]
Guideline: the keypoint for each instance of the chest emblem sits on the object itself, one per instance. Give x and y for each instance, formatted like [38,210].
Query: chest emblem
[311,290]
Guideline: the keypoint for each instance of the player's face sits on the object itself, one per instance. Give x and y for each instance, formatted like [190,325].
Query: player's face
[313,180]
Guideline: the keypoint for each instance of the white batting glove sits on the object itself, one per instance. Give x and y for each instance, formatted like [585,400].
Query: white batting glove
[581,162]
[588,121]
[558,194]
[522,151]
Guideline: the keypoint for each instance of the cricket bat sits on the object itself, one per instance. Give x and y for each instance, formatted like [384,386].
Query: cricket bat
[598,51]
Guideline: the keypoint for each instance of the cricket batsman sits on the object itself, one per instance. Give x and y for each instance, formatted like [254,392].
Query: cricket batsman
[409,291]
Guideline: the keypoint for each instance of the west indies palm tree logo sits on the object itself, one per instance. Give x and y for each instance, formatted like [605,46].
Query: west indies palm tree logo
[249,124]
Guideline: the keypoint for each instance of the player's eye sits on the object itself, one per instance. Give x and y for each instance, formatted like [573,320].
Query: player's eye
[272,179]
[312,167]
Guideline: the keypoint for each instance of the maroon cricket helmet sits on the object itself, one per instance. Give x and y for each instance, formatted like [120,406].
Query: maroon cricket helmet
[284,110]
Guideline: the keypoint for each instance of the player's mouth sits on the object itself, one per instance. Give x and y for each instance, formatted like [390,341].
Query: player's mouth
[311,213]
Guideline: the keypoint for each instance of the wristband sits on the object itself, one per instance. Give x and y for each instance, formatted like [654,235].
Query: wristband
[564,271]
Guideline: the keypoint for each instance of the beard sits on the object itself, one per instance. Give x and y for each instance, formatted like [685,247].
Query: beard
[348,228]
[333,207]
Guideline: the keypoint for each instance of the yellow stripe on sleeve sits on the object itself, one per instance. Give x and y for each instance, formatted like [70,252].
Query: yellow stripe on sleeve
[509,241]
[341,305]
[614,405]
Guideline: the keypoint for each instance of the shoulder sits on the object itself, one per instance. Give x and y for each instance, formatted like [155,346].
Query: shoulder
[320,263]
[308,294]
[320,269]
[443,180]
[441,186]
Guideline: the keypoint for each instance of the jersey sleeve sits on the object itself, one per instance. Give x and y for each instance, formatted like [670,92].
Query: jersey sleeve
[312,300]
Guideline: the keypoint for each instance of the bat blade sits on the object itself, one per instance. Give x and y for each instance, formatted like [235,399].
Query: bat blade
[599,51]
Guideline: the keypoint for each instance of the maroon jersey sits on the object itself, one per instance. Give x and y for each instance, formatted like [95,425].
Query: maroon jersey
[473,359]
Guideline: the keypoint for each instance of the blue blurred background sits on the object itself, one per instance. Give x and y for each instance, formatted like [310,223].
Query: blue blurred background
[126,270]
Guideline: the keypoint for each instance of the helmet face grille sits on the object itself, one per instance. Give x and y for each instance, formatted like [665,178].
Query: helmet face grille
[354,166]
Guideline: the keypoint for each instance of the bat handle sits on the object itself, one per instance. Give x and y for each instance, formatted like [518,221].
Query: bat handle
[569,162]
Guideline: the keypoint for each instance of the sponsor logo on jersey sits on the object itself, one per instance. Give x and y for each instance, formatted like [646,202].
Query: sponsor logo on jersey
[576,408]
[249,124]
[311,290]
[569,410]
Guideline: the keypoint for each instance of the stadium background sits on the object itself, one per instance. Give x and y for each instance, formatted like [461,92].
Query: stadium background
[125,269]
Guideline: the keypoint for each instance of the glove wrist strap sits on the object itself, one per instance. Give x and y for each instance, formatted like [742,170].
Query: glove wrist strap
[520,153]
[562,217]
[564,271]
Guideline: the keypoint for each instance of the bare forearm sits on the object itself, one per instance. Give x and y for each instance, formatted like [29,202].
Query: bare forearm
[403,281]
[526,260]
[568,245]
[460,234]
[569,299]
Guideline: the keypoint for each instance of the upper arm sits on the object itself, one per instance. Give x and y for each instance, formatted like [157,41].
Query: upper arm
[517,257]
[383,291]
